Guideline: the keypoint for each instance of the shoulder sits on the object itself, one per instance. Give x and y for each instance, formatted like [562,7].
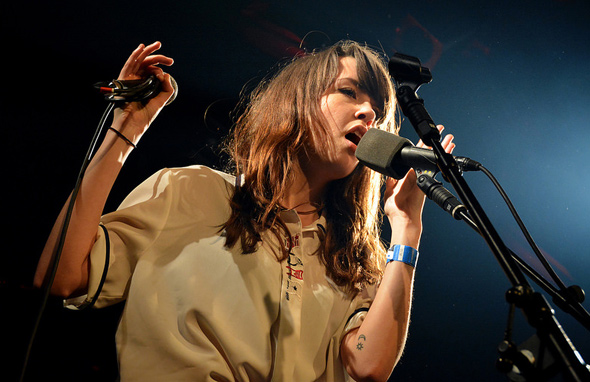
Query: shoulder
[196,176]
[191,182]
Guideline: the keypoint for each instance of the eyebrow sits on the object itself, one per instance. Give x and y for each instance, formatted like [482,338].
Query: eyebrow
[354,82]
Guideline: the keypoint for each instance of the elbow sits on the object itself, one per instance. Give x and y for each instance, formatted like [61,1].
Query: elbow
[370,372]
[61,286]
[57,289]
[374,365]
[38,280]
[371,377]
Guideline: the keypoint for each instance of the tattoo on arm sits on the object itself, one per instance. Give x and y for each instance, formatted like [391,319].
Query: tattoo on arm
[361,342]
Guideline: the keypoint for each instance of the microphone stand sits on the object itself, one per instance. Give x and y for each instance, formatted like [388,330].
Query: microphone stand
[409,75]
[569,299]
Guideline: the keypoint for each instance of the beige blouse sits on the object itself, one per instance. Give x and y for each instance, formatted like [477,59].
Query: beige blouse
[198,311]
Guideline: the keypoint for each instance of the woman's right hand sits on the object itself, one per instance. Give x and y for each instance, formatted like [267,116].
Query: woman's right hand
[132,119]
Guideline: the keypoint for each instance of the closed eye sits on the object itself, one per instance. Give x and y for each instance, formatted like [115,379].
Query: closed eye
[348,92]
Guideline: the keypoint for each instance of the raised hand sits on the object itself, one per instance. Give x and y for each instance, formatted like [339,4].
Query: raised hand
[133,119]
[404,202]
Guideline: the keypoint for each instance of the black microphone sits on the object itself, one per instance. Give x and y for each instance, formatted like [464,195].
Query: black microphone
[436,192]
[392,155]
[134,90]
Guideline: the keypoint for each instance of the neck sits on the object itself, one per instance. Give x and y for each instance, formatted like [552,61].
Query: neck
[305,195]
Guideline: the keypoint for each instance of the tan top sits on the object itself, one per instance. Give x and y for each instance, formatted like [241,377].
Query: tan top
[198,311]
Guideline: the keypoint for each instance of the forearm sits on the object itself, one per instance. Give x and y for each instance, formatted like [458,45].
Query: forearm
[372,351]
[406,231]
[72,273]
[131,121]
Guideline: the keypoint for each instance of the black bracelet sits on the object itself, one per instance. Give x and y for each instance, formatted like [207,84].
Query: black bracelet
[123,137]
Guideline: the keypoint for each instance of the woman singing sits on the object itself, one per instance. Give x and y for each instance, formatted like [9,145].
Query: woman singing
[272,270]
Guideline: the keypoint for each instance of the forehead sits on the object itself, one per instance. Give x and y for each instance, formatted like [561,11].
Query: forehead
[347,68]
[348,75]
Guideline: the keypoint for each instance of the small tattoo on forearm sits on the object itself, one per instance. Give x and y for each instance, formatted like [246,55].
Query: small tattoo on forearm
[361,342]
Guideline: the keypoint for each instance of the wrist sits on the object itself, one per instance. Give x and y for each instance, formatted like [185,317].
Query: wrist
[405,232]
[123,137]
[402,253]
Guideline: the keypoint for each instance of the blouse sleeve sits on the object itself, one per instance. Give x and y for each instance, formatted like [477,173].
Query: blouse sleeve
[363,302]
[138,223]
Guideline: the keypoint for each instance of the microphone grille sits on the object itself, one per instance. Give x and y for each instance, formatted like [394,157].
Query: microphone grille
[175,94]
[376,150]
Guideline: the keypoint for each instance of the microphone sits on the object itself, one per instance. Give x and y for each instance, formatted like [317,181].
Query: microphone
[392,155]
[436,192]
[134,90]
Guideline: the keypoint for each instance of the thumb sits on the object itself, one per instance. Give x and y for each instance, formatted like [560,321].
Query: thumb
[390,184]
[169,88]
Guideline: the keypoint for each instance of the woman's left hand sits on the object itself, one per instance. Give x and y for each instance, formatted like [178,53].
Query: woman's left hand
[404,202]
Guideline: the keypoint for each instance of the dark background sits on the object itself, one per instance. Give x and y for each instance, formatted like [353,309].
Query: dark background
[510,82]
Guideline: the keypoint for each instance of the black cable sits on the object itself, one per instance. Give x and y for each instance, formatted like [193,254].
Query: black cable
[524,230]
[130,90]
[578,311]
[52,270]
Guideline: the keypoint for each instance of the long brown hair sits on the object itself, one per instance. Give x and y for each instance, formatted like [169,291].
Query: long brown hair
[265,145]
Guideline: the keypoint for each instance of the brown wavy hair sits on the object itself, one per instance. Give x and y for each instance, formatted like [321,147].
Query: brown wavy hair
[281,116]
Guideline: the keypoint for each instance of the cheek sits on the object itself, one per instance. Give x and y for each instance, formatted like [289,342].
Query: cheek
[330,113]
[325,108]
[320,137]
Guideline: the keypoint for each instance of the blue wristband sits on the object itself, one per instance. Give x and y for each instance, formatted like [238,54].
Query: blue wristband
[403,253]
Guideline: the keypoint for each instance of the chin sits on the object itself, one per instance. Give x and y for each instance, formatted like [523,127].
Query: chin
[345,170]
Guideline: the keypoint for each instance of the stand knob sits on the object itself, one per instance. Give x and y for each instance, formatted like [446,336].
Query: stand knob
[505,362]
[576,293]
[504,365]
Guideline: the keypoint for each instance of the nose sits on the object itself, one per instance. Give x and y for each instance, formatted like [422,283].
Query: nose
[366,113]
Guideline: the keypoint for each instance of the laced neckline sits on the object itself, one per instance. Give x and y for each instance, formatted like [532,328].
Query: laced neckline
[318,208]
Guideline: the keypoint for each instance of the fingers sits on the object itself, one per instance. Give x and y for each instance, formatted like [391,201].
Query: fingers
[423,145]
[408,183]
[141,61]
[447,142]
[156,60]
[132,64]
[149,50]
[390,184]
[403,198]
[140,54]
[400,185]
[166,81]
[150,65]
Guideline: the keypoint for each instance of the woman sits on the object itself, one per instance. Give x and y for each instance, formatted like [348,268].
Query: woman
[270,274]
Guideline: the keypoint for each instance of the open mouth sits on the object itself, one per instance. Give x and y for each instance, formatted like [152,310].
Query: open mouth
[353,138]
